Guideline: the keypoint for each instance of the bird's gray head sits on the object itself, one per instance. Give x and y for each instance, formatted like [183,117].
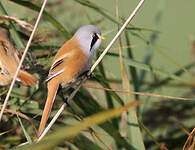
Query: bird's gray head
[89,37]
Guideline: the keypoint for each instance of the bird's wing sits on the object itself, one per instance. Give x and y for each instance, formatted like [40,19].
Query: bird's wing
[58,66]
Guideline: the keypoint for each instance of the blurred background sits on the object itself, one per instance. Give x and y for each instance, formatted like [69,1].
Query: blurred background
[158,52]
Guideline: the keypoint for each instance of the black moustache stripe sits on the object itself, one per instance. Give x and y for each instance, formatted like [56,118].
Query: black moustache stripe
[95,38]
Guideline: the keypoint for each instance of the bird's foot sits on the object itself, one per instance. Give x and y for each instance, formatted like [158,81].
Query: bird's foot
[86,74]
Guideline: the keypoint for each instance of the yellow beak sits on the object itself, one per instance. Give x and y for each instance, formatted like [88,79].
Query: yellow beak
[101,37]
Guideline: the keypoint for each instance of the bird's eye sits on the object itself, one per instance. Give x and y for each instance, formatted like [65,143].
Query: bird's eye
[94,35]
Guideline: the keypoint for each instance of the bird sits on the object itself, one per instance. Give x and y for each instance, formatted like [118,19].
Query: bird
[5,79]
[9,62]
[72,60]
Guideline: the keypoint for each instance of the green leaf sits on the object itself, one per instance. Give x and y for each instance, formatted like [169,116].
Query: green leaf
[92,107]
[103,82]
[132,70]
[96,8]
[153,70]
[25,132]
[13,31]
[68,132]
[79,140]
[167,79]
[64,32]
[162,53]
[153,38]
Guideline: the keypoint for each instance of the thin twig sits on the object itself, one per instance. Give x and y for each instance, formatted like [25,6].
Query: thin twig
[92,69]
[124,78]
[102,141]
[22,23]
[161,146]
[22,59]
[18,113]
[190,141]
[117,35]
[2,133]
[139,93]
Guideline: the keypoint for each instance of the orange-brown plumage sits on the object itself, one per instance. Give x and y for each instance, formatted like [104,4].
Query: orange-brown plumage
[73,59]
[5,79]
[26,78]
[9,62]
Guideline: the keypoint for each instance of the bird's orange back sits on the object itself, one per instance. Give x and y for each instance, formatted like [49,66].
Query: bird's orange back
[72,59]
[8,54]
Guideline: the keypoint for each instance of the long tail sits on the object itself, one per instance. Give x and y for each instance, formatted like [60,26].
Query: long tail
[26,78]
[52,91]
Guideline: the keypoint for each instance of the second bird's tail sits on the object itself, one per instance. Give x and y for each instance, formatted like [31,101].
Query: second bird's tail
[26,78]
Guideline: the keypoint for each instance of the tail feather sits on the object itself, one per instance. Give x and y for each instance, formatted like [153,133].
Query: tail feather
[52,91]
[26,78]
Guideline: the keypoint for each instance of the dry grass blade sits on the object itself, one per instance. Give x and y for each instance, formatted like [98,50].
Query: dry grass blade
[65,133]
[92,68]
[18,113]
[102,141]
[124,76]
[183,129]
[22,116]
[125,86]
[22,144]
[2,133]
[22,59]
[190,142]
[161,146]
[139,93]
[22,23]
